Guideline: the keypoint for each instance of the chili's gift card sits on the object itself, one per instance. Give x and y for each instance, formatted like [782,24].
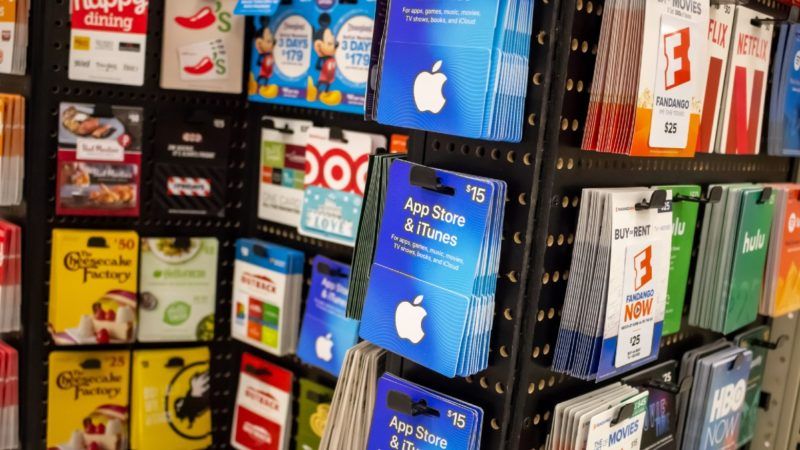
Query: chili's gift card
[87,406]
[93,286]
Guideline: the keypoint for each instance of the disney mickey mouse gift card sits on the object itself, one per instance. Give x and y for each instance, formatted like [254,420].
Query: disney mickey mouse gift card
[313,56]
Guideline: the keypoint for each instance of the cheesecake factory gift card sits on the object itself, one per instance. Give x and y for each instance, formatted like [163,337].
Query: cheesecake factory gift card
[93,286]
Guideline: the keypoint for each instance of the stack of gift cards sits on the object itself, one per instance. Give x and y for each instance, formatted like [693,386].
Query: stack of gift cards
[177,289]
[336,176]
[685,206]
[283,169]
[12,148]
[757,341]
[93,286]
[171,399]
[14,36]
[313,55]
[661,421]
[782,274]
[262,417]
[614,309]
[88,398]
[438,248]
[99,160]
[784,105]
[312,416]
[368,226]
[460,70]
[108,42]
[731,258]
[711,411]
[9,397]
[191,153]
[609,418]
[327,333]
[267,292]
[354,399]
[742,114]
[10,276]
[420,418]
[203,47]
[648,88]
[720,30]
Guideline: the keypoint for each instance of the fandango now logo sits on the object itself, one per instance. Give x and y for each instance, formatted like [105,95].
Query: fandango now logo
[642,265]
[754,243]
[676,49]
[619,436]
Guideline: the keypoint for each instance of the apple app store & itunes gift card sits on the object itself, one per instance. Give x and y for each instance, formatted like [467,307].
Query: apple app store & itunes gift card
[452,67]
[326,333]
[267,290]
[410,416]
[610,418]
[431,292]
[614,309]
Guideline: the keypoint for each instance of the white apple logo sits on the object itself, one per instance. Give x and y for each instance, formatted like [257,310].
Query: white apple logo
[408,320]
[324,347]
[428,90]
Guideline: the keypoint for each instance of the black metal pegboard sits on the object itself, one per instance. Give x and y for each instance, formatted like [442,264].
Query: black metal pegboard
[518,165]
[50,38]
[565,171]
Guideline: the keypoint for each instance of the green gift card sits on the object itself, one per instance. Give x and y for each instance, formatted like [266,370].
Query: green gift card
[750,255]
[315,402]
[752,397]
[684,220]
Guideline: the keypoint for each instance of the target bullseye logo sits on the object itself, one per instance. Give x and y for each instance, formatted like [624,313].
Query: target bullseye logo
[336,170]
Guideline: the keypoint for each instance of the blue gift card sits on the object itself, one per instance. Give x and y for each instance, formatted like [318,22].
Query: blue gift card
[326,333]
[453,67]
[331,214]
[431,290]
[408,416]
[313,53]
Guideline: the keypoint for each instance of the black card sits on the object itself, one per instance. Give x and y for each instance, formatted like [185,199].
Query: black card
[661,421]
[192,136]
[191,153]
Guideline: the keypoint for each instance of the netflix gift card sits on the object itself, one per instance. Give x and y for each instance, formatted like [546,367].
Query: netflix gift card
[745,85]
[191,153]
[99,160]
[720,27]
[108,41]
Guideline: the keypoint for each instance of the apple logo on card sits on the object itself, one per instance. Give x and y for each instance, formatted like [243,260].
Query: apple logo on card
[408,320]
[428,90]
[324,346]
